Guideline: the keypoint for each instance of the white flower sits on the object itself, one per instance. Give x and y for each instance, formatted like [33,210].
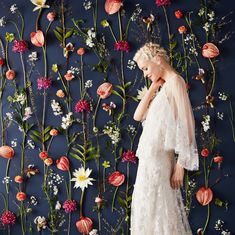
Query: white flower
[222,96]
[41,222]
[9,116]
[14,143]
[89,42]
[56,108]
[113,132]
[13,8]
[27,113]
[33,56]
[93,232]
[131,64]
[201,12]
[87,5]
[39,4]
[81,178]
[67,120]
[91,33]
[2,21]
[55,190]
[136,13]
[142,92]
[58,205]
[220,115]
[206,122]
[31,144]
[33,200]
[206,26]
[6,180]
[88,84]
[211,15]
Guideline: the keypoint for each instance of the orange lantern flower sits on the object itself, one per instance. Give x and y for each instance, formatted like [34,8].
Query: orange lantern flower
[112,6]
[182,29]
[37,38]
[204,196]
[10,74]
[18,179]
[104,90]
[84,225]
[116,178]
[21,196]
[6,152]
[210,50]
[63,163]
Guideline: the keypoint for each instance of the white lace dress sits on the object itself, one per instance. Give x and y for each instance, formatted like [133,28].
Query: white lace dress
[169,128]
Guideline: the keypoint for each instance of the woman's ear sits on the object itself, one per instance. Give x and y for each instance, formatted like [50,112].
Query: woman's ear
[157,59]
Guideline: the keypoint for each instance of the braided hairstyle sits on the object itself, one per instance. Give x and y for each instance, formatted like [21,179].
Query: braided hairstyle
[149,50]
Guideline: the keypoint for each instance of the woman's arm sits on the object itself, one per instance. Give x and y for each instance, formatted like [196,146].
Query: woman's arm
[145,102]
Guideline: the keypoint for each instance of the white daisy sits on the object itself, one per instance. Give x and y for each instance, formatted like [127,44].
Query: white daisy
[81,178]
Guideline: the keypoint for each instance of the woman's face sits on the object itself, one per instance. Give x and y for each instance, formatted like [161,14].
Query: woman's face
[150,69]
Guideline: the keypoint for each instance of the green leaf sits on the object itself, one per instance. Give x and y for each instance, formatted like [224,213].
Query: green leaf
[37,133]
[122,202]
[116,93]
[76,156]
[47,137]
[47,129]
[78,151]
[58,35]
[173,45]
[127,84]
[132,97]
[121,88]
[35,138]
[69,34]
[59,29]
[172,36]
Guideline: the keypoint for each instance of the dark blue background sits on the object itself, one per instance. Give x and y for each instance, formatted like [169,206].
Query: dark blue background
[224,82]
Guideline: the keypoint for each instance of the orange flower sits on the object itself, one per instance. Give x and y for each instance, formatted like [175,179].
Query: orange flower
[104,90]
[51,16]
[48,161]
[112,6]
[10,74]
[37,38]
[204,196]
[116,178]
[210,50]
[81,51]
[178,14]
[43,155]
[69,75]
[18,179]
[218,159]
[21,196]
[54,132]
[63,163]
[60,93]
[6,152]
[84,225]
[182,29]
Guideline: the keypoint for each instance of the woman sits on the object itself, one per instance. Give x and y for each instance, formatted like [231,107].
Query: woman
[157,205]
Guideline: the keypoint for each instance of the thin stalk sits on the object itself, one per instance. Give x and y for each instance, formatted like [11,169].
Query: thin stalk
[185,58]
[207,219]
[7,61]
[17,29]
[114,197]
[111,30]
[23,153]
[7,184]
[38,16]
[22,25]
[81,202]
[96,109]
[213,76]
[120,25]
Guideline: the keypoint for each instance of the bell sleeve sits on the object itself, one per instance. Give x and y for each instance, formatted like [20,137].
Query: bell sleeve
[180,131]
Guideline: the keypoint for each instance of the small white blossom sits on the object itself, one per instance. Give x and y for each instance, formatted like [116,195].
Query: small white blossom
[27,114]
[56,108]
[222,96]
[33,56]
[131,64]
[88,84]
[206,122]
[20,128]
[41,222]
[74,70]
[220,115]
[14,143]
[2,21]
[6,180]
[206,26]
[91,33]
[131,129]
[58,205]
[9,116]
[201,12]
[113,132]
[93,232]
[211,15]
[136,13]
[31,144]
[89,42]
[87,5]
[33,200]
[13,8]
[67,120]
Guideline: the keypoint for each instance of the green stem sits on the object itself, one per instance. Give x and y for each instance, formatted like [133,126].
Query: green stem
[82,80]
[24,74]
[17,29]
[23,153]
[213,77]
[111,30]
[185,58]
[120,25]
[70,190]
[43,119]
[22,25]
[207,219]
[7,61]
[96,109]
[81,203]
[7,184]
[37,20]
[104,179]
[114,197]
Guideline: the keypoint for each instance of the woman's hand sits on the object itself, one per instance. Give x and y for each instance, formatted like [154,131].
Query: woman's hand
[177,177]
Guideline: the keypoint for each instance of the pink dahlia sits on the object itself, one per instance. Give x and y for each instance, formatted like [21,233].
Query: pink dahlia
[20,46]
[163,2]
[82,106]
[122,46]
[70,206]
[44,83]
[129,156]
[8,218]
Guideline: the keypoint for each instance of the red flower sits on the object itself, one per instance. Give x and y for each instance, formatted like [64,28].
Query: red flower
[48,161]
[43,155]
[8,218]
[51,16]
[210,50]
[44,83]
[104,90]
[204,196]
[163,2]
[84,225]
[2,62]
[82,106]
[18,179]
[129,156]
[122,46]
[112,6]
[21,196]
[205,152]
[63,163]
[70,206]
[6,152]
[182,29]
[81,51]
[218,159]
[20,46]
[178,14]
[10,74]
[116,178]
[37,38]
[69,75]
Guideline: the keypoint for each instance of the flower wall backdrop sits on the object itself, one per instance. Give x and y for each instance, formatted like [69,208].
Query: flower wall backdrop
[69,88]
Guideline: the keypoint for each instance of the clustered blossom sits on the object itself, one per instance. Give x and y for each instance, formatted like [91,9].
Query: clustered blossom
[27,113]
[131,64]
[33,56]
[163,2]
[31,144]
[222,96]
[70,206]
[40,222]
[33,200]
[122,46]
[136,12]
[75,70]
[129,156]
[113,132]
[20,98]
[206,122]
[13,8]
[87,5]
[8,218]
[91,35]
[44,83]
[131,130]
[19,46]
[67,120]
[56,108]
[82,106]
[6,180]
[88,84]
[54,180]
[219,226]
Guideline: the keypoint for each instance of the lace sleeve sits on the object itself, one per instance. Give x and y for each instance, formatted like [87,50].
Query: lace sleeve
[180,131]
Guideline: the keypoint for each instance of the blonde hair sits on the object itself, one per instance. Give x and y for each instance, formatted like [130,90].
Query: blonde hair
[150,50]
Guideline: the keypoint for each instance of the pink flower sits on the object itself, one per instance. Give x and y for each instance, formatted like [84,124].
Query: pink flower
[44,83]
[51,16]
[10,74]
[84,225]
[8,218]
[116,178]
[129,156]
[210,50]
[163,2]
[104,90]
[70,206]
[82,106]
[122,46]
[20,46]
[63,163]
[37,38]
[112,6]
